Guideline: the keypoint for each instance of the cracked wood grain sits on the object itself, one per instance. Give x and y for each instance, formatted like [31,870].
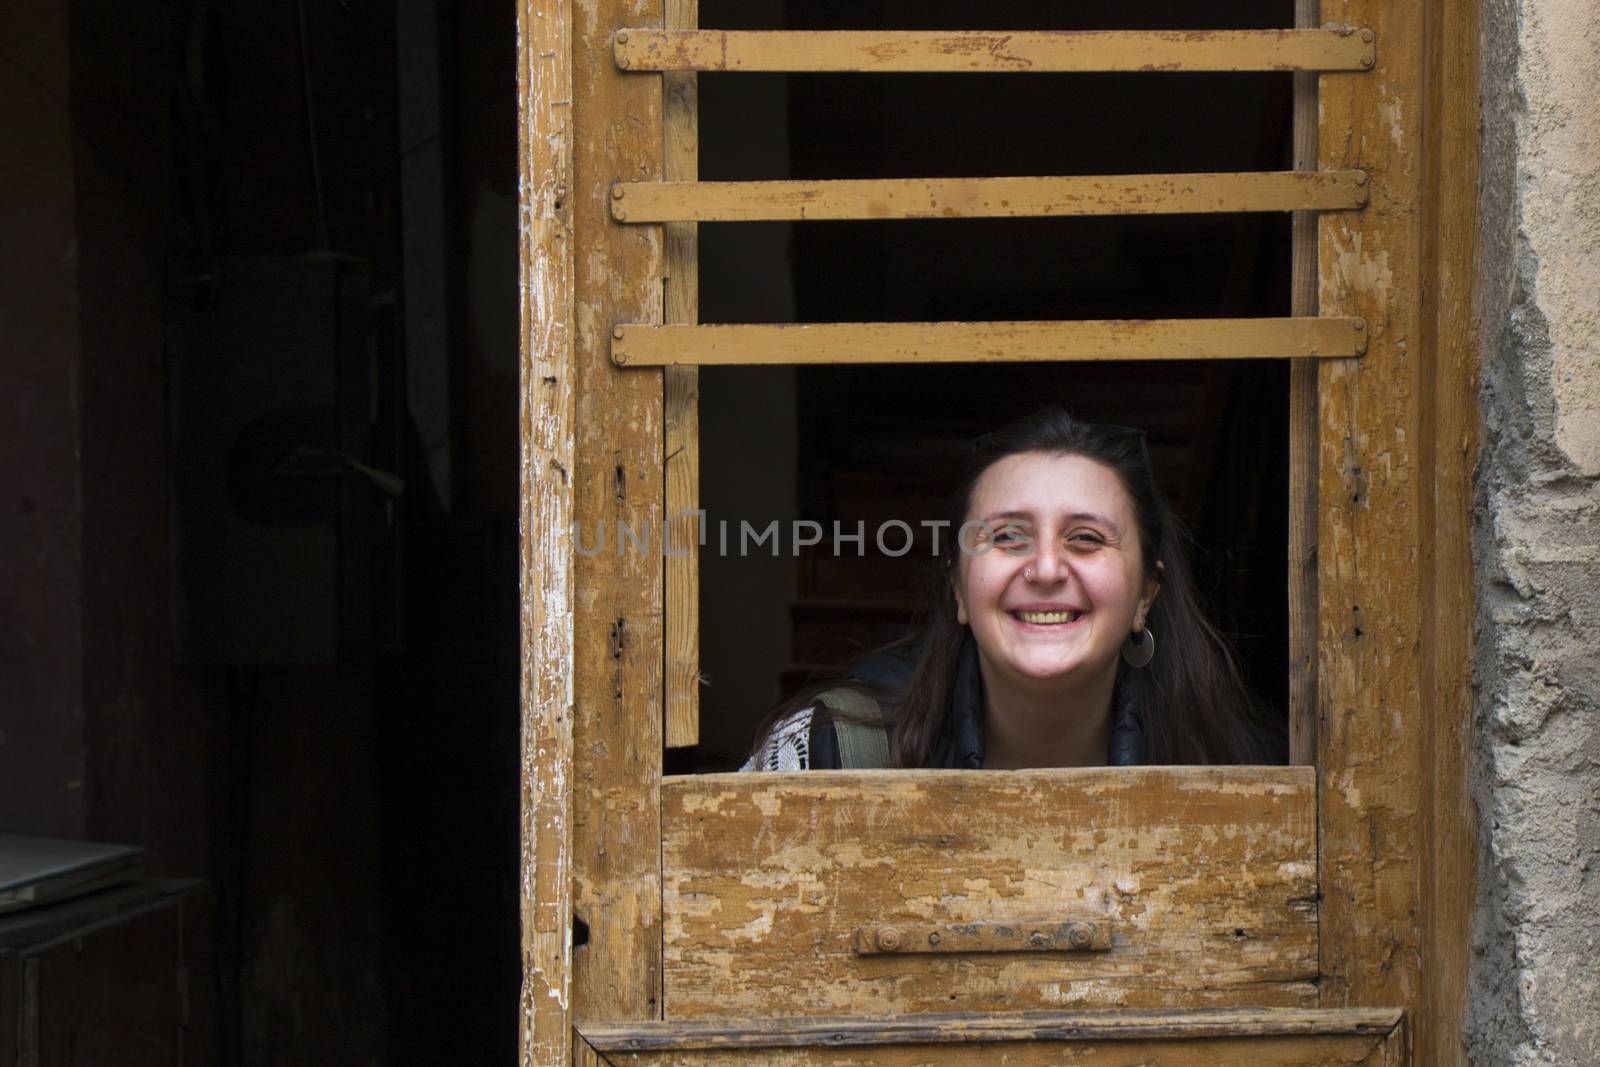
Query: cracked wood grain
[1372,696]
[1207,876]
[617,627]
[545,413]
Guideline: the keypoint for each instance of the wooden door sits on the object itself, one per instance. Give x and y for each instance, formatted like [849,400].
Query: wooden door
[1111,916]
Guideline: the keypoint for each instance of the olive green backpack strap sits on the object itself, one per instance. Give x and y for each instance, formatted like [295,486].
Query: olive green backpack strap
[862,745]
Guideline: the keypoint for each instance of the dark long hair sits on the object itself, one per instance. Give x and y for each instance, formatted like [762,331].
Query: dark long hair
[1196,706]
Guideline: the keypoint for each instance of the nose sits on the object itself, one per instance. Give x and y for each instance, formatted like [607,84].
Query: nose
[1049,564]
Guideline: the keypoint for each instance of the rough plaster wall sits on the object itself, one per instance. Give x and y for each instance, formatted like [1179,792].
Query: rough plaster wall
[1536,973]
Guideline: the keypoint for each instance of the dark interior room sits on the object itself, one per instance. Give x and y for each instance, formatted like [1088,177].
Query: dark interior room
[260,611]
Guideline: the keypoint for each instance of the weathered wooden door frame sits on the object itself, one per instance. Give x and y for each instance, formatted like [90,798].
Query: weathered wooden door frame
[1397,446]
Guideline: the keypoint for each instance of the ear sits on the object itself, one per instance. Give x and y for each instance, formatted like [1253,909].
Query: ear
[955,590]
[1152,586]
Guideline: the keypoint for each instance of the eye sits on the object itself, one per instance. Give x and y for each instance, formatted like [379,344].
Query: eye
[1011,536]
[1085,539]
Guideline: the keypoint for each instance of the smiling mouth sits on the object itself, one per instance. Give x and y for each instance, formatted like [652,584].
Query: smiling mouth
[1047,618]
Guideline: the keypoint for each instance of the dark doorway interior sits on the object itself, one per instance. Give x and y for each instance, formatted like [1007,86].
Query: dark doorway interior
[260,282]
[871,443]
[352,805]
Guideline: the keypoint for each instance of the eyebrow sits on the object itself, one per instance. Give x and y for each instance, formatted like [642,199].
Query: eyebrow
[1077,516]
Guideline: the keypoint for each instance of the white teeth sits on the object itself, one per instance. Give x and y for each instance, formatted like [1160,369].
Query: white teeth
[1048,617]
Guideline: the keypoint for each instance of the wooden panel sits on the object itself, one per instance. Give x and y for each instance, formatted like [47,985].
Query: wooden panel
[10,1007]
[122,975]
[112,993]
[1374,701]
[681,162]
[1206,874]
[544,132]
[988,342]
[1281,1036]
[966,198]
[1036,52]
[619,475]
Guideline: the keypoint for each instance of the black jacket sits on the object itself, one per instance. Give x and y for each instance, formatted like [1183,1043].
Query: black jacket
[959,744]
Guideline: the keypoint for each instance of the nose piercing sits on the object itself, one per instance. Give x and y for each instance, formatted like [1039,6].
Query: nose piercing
[1027,574]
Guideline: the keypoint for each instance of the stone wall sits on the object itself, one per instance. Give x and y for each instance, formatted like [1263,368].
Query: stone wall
[1536,963]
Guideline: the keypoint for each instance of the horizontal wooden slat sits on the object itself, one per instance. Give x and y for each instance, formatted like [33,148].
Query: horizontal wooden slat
[988,342]
[937,1028]
[1045,51]
[969,198]
[1207,876]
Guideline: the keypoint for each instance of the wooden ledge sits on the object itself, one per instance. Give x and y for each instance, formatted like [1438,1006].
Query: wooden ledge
[959,1027]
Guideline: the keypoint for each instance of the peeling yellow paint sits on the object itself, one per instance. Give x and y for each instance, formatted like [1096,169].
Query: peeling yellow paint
[803,861]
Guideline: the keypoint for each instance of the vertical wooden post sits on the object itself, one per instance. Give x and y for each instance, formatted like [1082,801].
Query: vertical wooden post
[1450,229]
[681,162]
[545,415]
[618,493]
[1303,433]
[1372,692]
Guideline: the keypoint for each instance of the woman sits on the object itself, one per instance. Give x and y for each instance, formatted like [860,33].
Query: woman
[1063,630]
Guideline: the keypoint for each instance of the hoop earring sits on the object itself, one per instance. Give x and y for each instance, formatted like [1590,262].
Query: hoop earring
[1138,654]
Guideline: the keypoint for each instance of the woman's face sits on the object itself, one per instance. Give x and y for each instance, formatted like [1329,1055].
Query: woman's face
[1061,585]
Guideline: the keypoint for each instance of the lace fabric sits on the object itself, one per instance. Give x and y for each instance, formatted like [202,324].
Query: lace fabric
[788,747]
